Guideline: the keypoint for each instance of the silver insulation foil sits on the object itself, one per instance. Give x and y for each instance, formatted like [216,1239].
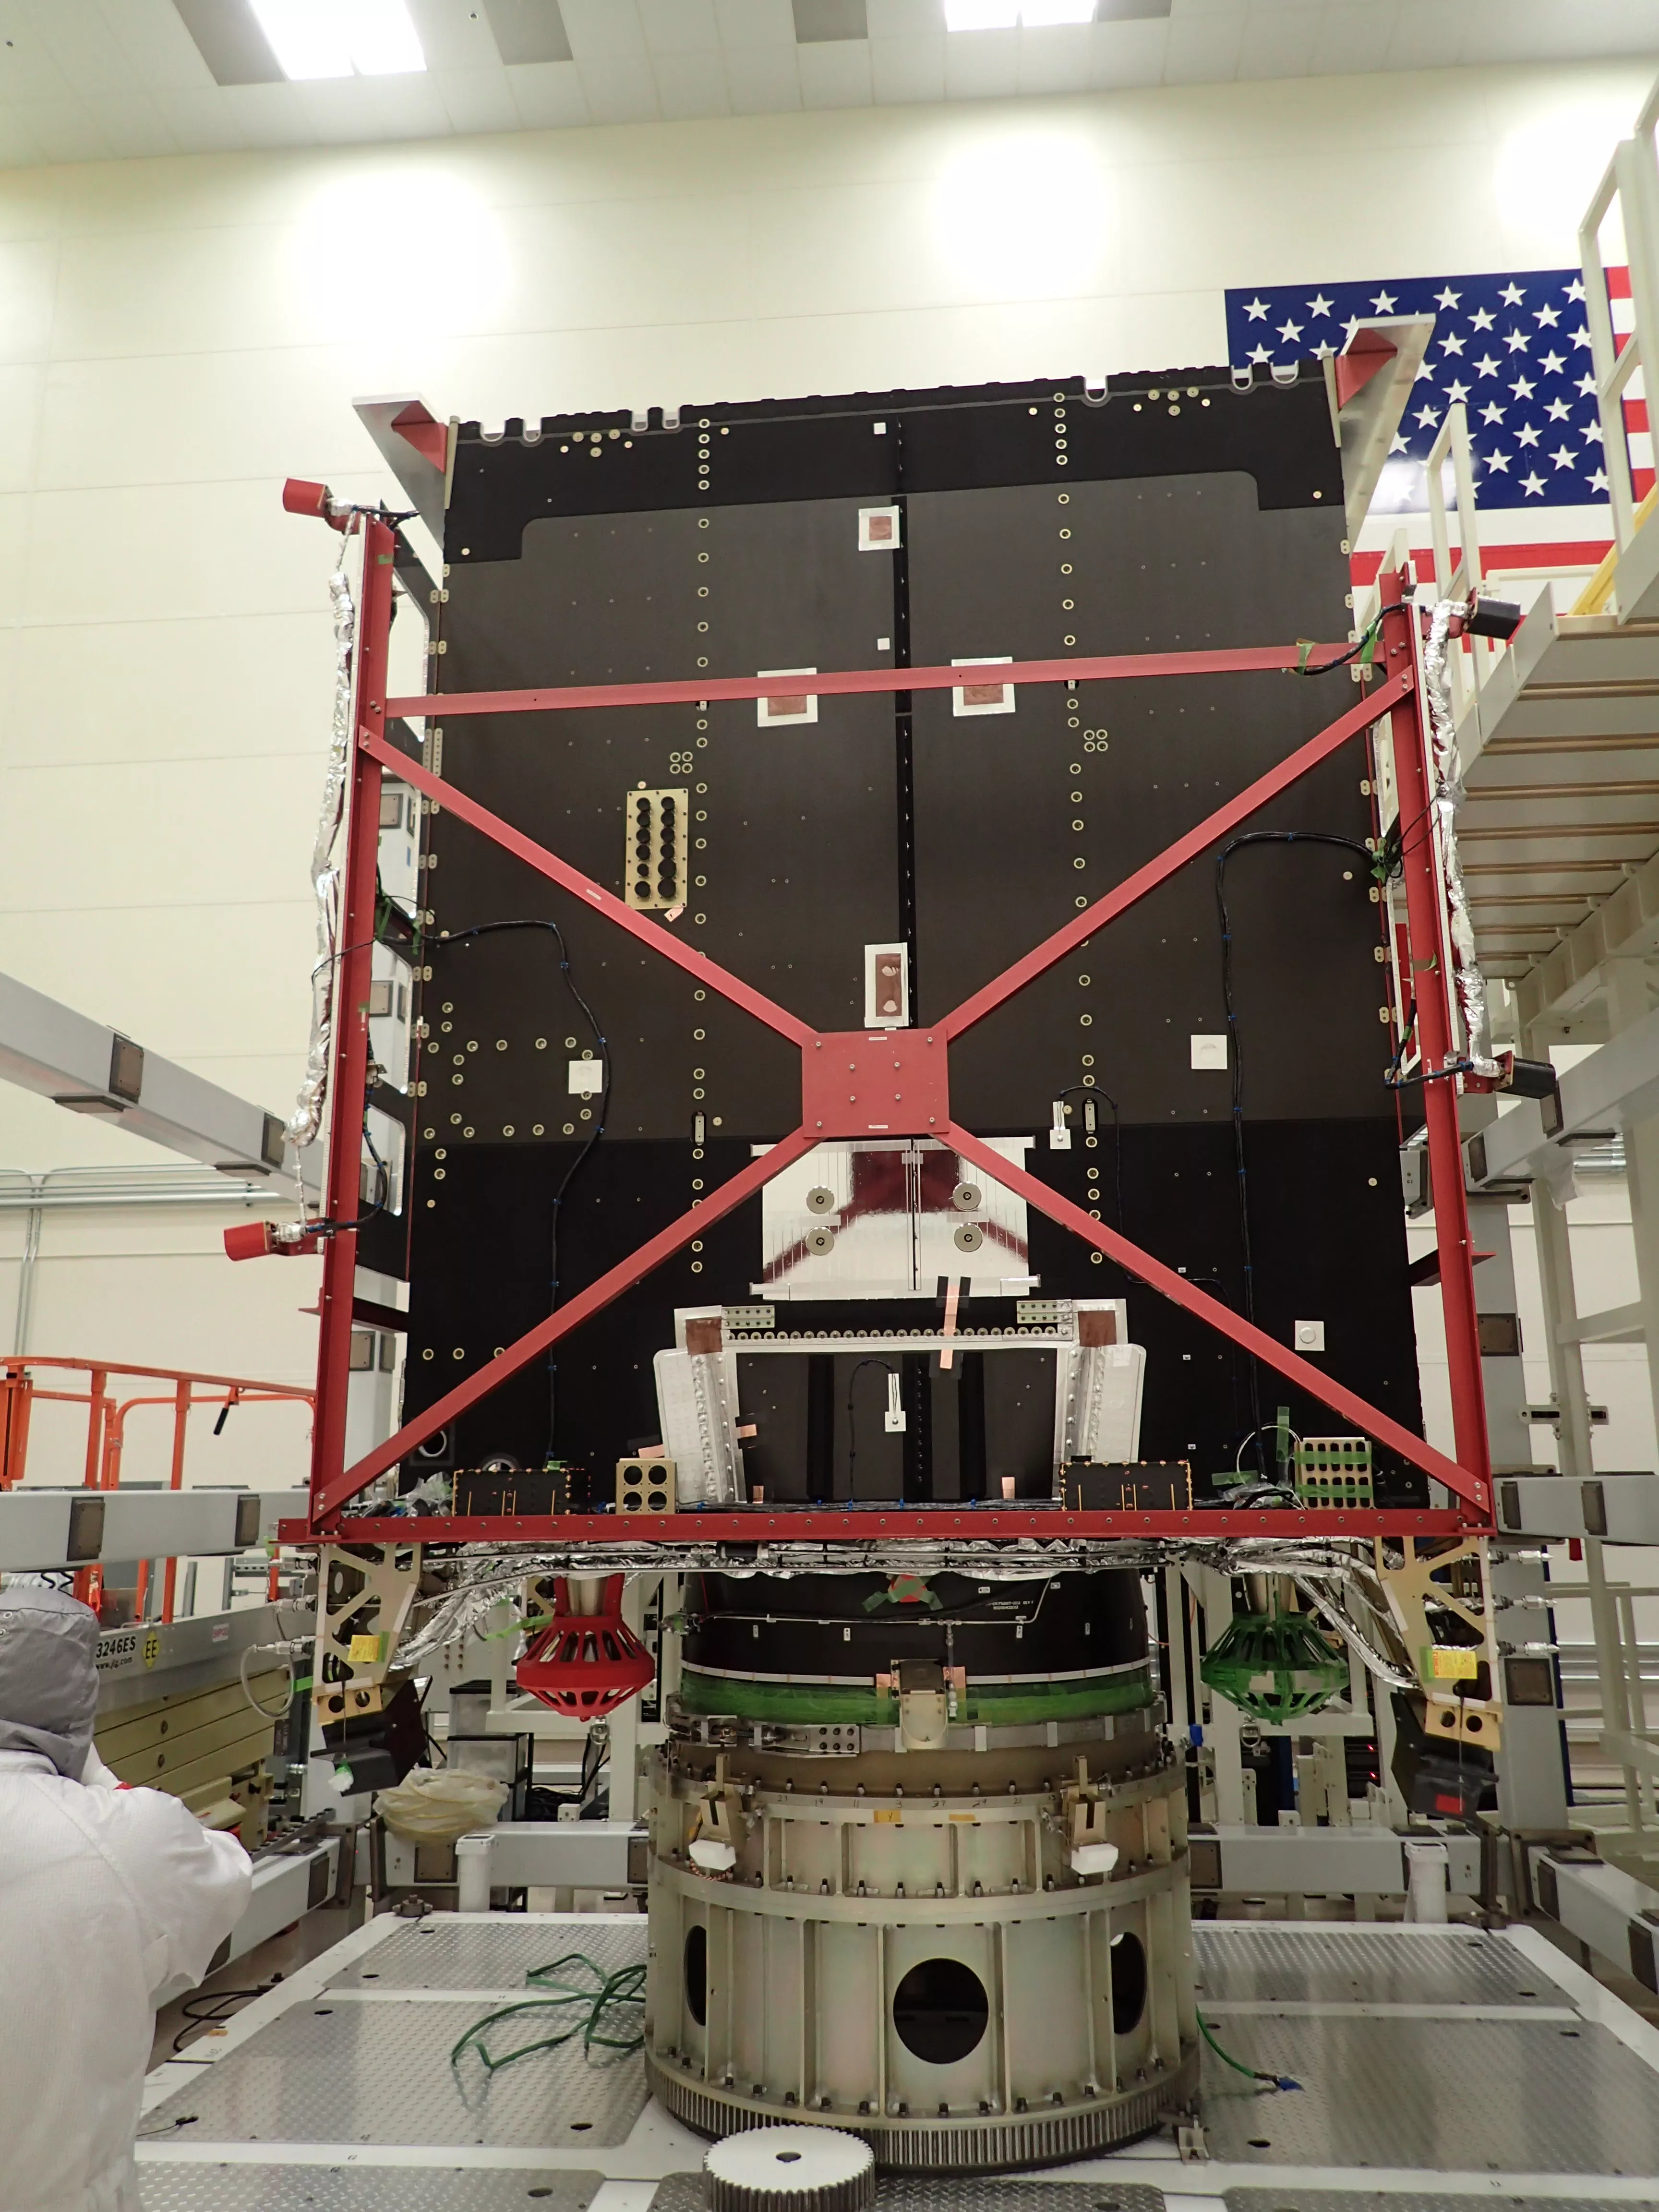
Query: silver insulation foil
[1448,800]
[1337,1580]
[305,1123]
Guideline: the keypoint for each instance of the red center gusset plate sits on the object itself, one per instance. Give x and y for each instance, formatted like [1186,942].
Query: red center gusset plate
[875,1083]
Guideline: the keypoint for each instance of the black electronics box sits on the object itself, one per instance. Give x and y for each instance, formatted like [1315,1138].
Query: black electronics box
[513,1490]
[1128,1485]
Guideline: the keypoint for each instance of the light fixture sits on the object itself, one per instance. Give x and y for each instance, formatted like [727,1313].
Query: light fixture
[314,38]
[1004,15]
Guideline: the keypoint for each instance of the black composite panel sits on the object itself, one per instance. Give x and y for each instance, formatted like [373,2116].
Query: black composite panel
[1035,521]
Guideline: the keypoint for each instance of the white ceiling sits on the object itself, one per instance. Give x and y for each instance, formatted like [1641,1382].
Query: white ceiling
[86,80]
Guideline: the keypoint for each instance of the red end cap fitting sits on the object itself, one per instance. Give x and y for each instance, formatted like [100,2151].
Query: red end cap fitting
[300,497]
[258,1240]
[249,1240]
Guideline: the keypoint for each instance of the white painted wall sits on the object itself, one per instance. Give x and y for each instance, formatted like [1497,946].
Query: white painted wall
[176,335]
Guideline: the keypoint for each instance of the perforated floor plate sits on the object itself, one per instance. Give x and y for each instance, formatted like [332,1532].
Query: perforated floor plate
[1458,2096]
[1340,2200]
[1338,1966]
[682,2192]
[178,2188]
[381,2074]
[443,1952]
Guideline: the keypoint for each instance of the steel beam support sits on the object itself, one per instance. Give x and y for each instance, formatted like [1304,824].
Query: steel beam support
[342,1187]
[333,1485]
[616,1547]
[845,682]
[1474,1489]
[1431,983]
[1209,832]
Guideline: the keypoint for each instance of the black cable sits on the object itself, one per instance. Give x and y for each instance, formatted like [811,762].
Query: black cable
[323,1227]
[1094,1091]
[214,1999]
[852,1418]
[489,929]
[1367,636]
[1237,1064]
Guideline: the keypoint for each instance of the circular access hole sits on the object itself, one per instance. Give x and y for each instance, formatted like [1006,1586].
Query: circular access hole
[697,1974]
[1128,1982]
[580,2127]
[941,2010]
[1260,2142]
[321,2012]
[788,2158]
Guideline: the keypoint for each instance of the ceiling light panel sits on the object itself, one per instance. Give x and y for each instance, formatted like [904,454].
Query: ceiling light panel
[1005,14]
[314,39]
[528,30]
[230,42]
[825,22]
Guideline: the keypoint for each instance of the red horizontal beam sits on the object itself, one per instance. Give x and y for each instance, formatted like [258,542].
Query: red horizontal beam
[335,1491]
[592,895]
[837,683]
[1200,1303]
[826,1524]
[1213,828]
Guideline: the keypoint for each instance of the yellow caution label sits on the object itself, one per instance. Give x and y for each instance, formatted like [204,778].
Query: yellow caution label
[889,1816]
[1452,1662]
[365,1651]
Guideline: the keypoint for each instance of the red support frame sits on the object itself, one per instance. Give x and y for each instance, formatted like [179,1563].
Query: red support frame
[846,1092]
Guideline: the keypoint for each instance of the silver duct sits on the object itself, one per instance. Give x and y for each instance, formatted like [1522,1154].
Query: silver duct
[305,1123]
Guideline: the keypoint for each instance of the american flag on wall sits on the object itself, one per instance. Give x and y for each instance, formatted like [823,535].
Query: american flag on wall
[1516,349]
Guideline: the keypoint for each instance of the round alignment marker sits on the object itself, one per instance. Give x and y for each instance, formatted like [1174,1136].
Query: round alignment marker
[790,2170]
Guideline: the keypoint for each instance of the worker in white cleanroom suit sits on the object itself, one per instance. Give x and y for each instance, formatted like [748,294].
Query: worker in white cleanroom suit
[112,1901]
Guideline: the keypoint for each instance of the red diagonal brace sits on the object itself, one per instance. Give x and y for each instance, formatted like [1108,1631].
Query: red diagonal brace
[590,893]
[1183,1293]
[840,682]
[334,1493]
[1210,831]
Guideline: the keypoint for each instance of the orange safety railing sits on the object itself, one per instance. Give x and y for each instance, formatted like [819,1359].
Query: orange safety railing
[106,1423]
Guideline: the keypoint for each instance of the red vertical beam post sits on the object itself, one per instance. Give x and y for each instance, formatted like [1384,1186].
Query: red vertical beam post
[1432,985]
[342,1188]
[176,1481]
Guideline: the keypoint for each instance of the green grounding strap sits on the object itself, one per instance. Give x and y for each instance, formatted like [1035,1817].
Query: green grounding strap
[990,1704]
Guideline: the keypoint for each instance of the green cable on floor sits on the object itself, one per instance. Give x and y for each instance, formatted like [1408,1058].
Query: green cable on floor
[600,1996]
[1254,2072]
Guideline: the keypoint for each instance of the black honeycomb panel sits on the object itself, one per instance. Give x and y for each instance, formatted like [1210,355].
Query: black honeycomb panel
[1219,524]
[1062,802]
[1328,1243]
[948,439]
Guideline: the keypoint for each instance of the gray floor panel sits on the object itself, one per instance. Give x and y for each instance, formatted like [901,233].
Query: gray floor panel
[682,2192]
[366,2073]
[1459,2096]
[1319,1964]
[1342,2200]
[179,2188]
[443,1953]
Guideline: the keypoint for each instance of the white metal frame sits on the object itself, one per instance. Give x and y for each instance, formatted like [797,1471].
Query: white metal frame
[1632,180]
